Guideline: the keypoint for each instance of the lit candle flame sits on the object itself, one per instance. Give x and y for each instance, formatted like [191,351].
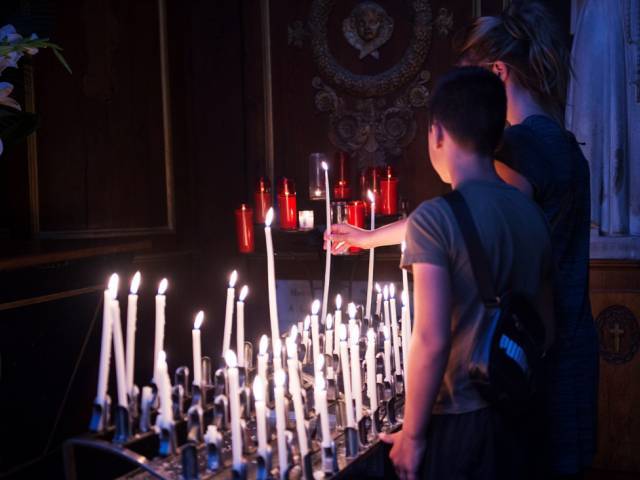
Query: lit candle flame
[371,196]
[324,165]
[315,307]
[243,293]
[329,321]
[258,389]
[231,359]
[233,278]
[135,283]
[378,288]
[268,217]
[162,288]
[198,321]
[264,344]
[307,322]
[392,290]
[342,332]
[338,302]
[385,292]
[113,286]
[351,310]
[279,378]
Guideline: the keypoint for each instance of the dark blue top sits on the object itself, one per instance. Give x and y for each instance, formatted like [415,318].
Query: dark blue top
[549,157]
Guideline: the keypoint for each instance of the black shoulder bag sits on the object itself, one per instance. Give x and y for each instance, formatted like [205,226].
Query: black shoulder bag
[505,361]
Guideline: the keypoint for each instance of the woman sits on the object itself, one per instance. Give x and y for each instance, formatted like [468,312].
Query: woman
[538,156]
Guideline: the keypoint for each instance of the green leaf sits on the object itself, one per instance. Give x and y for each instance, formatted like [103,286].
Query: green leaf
[59,56]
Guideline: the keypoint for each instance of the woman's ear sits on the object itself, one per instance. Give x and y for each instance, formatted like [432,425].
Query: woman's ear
[500,68]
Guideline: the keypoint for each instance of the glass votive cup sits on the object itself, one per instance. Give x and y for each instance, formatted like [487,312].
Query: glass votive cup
[305,220]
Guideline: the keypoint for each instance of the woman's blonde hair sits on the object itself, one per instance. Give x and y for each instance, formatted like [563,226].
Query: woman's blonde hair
[528,40]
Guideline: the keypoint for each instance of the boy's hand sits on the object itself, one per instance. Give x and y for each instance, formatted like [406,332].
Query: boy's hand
[406,454]
[343,236]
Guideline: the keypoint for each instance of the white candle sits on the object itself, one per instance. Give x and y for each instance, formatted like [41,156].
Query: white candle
[132,314]
[163,383]
[294,390]
[356,376]
[118,348]
[305,332]
[278,389]
[161,302]
[323,411]
[240,317]
[387,314]
[261,418]
[327,266]
[228,314]
[315,330]
[277,354]
[378,299]
[105,344]
[197,349]
[271,276]
[405,273]
[351,311]
[372,199]
[346,377]
[371,369]
[394,329]
[405,331]
[263,357]
[234,404]
[328,335]
[338,318]
[387,354]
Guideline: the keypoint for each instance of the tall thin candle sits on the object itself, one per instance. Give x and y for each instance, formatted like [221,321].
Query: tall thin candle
[228,314]
[372,199]
[197,349]
[164,390]
[346,376]
[234,407]
[371,369]
[315,331]
[394,329]
[118,348]
[261,418]
[321,396]
[271,277]
[338,321]
[263,358]
[240,330]
[132,315]
[161,303]
[356,375]
[105,344]
[278,381]
[378,299]
[387,354]
[294,390]
[327,266]
[328,335]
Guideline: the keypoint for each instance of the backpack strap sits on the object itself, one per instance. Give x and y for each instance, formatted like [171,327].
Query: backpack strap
[479,262]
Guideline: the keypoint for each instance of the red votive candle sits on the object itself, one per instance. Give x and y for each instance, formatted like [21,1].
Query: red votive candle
[244,229]
[287,204]
[389,193]
[355,216]
[341,189]
[263,199]
[370,180]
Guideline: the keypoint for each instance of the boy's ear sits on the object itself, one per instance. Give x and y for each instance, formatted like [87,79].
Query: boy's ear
[437,133]
[501,69]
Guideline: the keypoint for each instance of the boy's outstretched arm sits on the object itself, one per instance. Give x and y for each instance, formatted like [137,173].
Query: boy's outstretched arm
[344,236]
[428,356]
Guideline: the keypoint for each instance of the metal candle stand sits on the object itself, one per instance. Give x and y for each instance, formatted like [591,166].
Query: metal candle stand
[122,422]
[213,441]
[100,415]
[239,472]
[189,461]
[264,465]
[167,437]
[330,459]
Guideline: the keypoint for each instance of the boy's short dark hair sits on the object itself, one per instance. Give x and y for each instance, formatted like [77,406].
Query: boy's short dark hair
[471,104]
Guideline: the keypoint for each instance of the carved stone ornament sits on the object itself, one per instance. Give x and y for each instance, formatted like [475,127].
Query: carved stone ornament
[619,334]
[444,22]
[372,130]
[385,82]
[368,28]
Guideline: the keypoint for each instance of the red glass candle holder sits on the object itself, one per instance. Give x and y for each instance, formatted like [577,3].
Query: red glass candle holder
[370,180]
[355,217]
[263,199]
[341,189]
[389,193]
[287,204]
[244,229]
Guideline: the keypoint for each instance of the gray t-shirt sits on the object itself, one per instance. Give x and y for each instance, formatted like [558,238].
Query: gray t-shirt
[515,237]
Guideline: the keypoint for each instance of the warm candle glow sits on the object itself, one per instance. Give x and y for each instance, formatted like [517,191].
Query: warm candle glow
[342,332]
[135,284]
[113,286]
[162,288]
[385,292]
[378,288]
[307,322]
[324,165]
[338,302]
[355,333]
[405,298]
[233,278]
[243,293]
[231,359]
[264,344]
[371,196]
[269,217]
[198,321]
[329,321]
[279,378]
[315,307]
[392,290]
[351,310]
[258,389]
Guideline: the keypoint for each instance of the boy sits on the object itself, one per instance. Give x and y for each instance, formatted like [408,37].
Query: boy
[449,431]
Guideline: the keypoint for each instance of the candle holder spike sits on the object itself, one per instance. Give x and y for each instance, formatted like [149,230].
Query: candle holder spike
[399,384]
[133,399]
[307,467]
[213,440]
[100,417]
[248,355]
[167,436]
[197,397]
[195,423]
[189,458]
[391,410]
[263,465]
[220,382]
[351,442]
[377,415]
[122,422]
[177,398]
[221,412]
[146,405]
[239,472]
[329,459]
[364,427]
